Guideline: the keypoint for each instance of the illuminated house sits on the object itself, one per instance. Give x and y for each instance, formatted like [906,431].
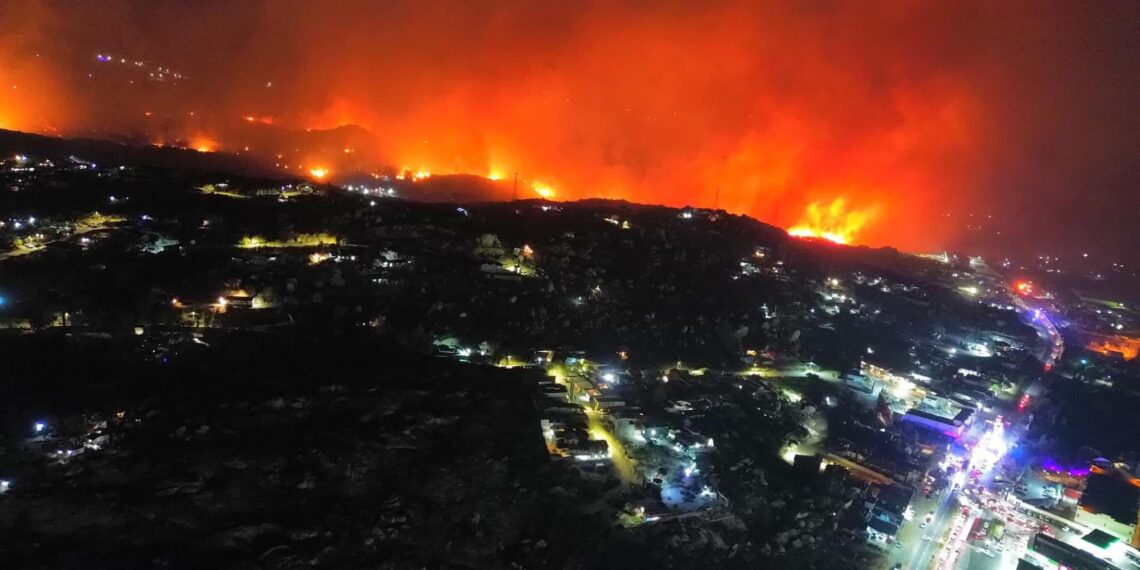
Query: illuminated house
[887,512]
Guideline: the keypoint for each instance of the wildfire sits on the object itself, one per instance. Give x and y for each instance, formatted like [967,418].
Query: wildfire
[641,104]
[203,144]
[543,190]
[832,221]
[1128,347]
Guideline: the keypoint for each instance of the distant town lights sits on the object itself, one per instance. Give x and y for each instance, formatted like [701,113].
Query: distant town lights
[39,427]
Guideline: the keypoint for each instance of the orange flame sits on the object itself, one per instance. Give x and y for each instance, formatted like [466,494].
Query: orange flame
[202,143]
[833,222]
[319,173]
[1128,347]
[546,192]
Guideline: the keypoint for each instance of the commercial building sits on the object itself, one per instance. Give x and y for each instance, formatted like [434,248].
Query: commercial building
[1051,553]
[1109,503]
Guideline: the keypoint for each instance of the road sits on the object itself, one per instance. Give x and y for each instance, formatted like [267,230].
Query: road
[79,231]
[623,465]
[966,556]
[924,551]
[1037,316]
[984,456]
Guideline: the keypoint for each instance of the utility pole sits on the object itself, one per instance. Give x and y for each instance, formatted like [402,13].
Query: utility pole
[515,191]
[716,201]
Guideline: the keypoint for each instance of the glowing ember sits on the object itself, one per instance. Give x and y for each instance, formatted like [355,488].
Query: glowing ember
[256,119]
[319,173]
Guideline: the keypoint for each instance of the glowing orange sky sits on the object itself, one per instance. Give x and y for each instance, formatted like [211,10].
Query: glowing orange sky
[895,113]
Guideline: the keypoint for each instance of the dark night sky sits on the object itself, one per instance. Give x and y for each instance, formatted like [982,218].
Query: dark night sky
[912,114]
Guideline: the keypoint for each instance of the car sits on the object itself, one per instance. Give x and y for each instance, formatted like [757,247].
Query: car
[924,524]
[999,547]
[927,537]
[898,544]
[988,552]
[1133,559]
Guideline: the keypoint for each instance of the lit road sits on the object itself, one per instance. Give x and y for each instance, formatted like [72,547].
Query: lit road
[988,448]
[622,463]
[1051,345]
[41,246]
[914,548]
[924,551]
